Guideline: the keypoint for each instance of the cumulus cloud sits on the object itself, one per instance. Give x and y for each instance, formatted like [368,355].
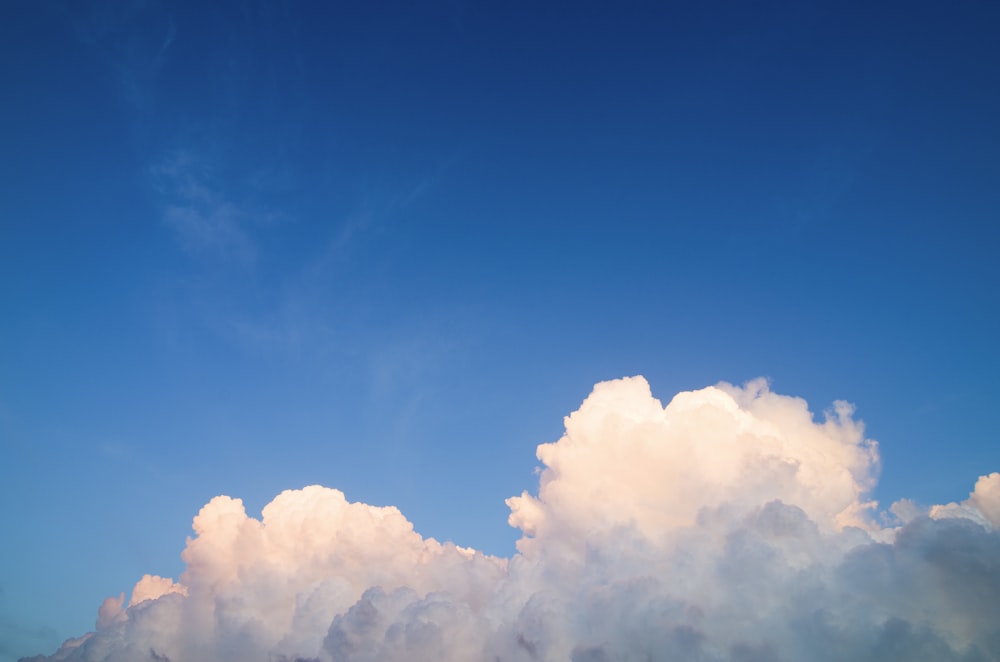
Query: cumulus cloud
[627,460]
[730,525]
[151,587]
[983,504]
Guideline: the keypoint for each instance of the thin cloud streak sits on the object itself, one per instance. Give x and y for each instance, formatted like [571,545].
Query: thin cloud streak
[203,219]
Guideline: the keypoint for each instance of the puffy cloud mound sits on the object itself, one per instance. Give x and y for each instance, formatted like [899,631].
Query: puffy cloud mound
[627,460]
[730,525]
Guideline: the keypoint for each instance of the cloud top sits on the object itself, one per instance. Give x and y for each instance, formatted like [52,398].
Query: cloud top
[730,525]
[627,460]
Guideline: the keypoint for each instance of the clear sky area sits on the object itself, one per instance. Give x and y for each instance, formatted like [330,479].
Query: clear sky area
[386,247]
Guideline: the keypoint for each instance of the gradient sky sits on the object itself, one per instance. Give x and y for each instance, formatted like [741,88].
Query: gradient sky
[386,247]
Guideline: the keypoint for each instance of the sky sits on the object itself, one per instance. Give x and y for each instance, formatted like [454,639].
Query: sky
[386,247]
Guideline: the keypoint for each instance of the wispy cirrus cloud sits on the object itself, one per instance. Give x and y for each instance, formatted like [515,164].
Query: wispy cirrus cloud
[134,37]
[203,217]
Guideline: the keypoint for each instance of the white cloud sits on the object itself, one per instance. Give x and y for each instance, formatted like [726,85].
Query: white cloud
[985,497]
[982,506]
[627,460]
[151,587]
[728,525]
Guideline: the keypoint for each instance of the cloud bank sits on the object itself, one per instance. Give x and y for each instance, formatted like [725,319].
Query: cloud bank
[730,525]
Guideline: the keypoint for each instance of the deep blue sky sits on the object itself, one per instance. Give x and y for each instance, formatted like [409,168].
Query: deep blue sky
[386,247]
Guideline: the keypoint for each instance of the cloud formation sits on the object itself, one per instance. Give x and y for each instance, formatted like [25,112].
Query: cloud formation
[204,220]
[729,525]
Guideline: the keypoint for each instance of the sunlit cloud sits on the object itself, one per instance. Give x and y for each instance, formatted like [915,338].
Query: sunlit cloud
[731,524]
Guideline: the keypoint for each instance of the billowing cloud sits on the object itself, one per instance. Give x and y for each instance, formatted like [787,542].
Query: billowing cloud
[983,504]
[730,525]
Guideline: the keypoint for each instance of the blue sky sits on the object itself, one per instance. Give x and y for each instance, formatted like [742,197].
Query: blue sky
[386,247]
